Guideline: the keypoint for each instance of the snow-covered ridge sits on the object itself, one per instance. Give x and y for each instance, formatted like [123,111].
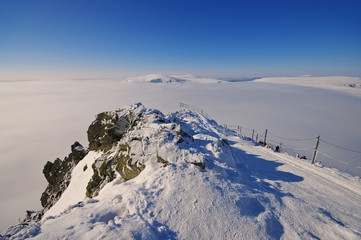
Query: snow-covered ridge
[183,176]
[350,85]
[157,78]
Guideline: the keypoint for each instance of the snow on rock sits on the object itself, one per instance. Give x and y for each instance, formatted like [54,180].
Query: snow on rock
[199,181]
[75,192]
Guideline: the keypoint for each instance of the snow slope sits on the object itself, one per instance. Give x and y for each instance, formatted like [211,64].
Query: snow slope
[245,192]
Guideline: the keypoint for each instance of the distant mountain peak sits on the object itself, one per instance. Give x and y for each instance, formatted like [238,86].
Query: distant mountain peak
[163,78]
[158,78]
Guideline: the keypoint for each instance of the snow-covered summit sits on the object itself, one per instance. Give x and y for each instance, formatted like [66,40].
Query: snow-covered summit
[157,78]
[162,78]
[147,175]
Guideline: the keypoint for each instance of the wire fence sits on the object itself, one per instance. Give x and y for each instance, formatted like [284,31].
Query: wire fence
[320,151]
[194,109]
[325,153]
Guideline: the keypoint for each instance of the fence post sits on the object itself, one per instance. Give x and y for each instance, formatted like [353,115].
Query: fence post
[252,134]
[265,137]
[256,139]
[315,150]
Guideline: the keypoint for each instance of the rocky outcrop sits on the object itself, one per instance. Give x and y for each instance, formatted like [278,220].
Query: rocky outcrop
[58,176]
[123,137]
[127,138]
[107,129]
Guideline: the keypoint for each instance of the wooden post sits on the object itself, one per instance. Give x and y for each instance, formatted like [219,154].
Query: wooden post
[265,137]
[256,139]
[252,135]
[240,132]
[315,151]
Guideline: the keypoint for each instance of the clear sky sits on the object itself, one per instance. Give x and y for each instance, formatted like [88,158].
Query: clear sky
[105,38]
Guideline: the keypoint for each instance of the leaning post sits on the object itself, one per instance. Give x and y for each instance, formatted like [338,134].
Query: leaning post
[315,150]
[265,137]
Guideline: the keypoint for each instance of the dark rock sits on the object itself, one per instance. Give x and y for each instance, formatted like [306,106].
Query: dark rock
[107,129]
[58,175]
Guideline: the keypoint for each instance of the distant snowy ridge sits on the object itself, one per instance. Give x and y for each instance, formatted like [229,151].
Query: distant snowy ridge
[350,85]
[161,78]
[157,78]
[147,175]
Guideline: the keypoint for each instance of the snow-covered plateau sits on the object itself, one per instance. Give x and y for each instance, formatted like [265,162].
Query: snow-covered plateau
[147,175]
[40,119]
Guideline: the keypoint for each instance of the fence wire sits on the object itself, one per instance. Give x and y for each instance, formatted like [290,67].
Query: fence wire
[291,139]
[195,109]
[344,148]
[274,140]
[279,145]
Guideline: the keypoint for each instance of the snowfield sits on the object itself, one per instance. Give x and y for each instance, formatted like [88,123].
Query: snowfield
[246,191]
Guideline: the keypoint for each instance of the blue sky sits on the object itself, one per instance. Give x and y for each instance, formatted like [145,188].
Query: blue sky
[215,38]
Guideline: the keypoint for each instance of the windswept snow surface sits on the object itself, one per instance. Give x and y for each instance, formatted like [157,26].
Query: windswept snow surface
[245,192]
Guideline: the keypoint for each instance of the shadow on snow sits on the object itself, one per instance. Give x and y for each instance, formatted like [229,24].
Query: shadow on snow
[259,188]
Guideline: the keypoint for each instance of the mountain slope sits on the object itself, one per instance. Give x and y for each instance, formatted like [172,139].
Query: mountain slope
[186,177]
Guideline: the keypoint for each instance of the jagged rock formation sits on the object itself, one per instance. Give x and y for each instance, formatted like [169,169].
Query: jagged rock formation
[58,175]
[107,129]
[124,137]
[121,135]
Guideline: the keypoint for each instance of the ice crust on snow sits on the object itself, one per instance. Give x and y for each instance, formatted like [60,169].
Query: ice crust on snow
[245,191]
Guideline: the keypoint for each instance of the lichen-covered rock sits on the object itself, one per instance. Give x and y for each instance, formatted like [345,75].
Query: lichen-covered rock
[125,166]
[110,127]
[103,169]
[102,132]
